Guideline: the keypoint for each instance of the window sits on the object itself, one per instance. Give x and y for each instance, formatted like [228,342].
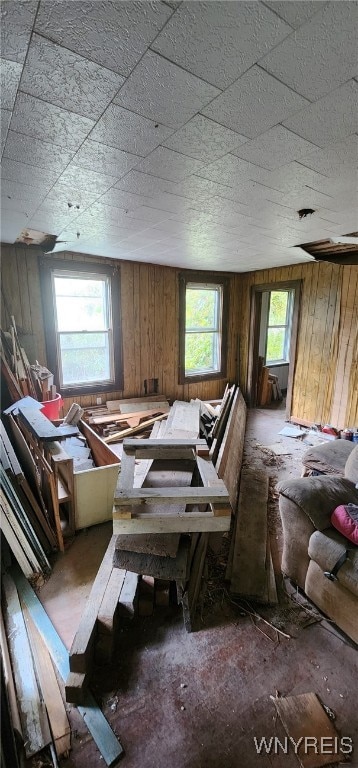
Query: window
[81,336]
[279,326]
[202,329]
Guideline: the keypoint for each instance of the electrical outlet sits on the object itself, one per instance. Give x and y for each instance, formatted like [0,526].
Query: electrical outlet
[99,401]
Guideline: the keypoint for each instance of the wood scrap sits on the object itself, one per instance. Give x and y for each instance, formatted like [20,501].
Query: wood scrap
[249,577]
[81,653]
[128,597]
[31,708]
[58,720]
[126,432]
[308,725]
[156,566]
[161,544]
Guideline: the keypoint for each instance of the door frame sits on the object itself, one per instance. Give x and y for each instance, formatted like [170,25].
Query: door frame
[254,337]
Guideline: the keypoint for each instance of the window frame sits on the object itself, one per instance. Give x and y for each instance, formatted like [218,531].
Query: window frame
[201,280]
[287,326]
[48,268]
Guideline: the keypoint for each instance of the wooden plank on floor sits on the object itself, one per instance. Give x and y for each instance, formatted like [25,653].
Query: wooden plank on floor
[59,724]
[303,717]
[248,576]
[128,597]
[32,710]
[166,568]
[83,643]
[189,592]
[108,607]
[100,730]
[161,544]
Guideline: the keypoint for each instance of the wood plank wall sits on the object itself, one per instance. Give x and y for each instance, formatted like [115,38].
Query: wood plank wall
[150,322]
[326,372]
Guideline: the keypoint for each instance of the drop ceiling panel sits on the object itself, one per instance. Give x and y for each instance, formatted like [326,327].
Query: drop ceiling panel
[5,122]
[147,214]
[295,12]
[321,55]
[331,118]
[110,160]
[218,41]
[204,139]
[11,225]
[170,165]
[133,133]
[10,78]
[67,80]
[17,18]
[232,171]
[144,184]
[36,152]
[295,176]
[332,160]
[27,174]
[38,118]
[237,109]
[63,22]
[125,200]
[164,92]
[274,148]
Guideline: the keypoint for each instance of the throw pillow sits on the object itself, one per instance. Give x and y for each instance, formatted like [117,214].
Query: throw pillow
[345,519]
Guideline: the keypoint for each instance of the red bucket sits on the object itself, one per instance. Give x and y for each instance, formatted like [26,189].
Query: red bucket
[51,408]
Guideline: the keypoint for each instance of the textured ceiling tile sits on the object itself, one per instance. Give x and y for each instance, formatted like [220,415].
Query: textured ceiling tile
[109,215]
[15,190]
[218,41]
[17,18]
[18,205]
[125,200]
[27,174]
[169,202]
[5,122]
[232,171]
[143,184]
[133,133]
[321,55]
[73,197]
[11,225]
[10,77]
[328,161]
[254,103]
[164,92]
[91,28]
[68,80]
[204,139]
[329,119]
[82,178]
[295,12]
[36,152]
[38,118]
[105,159]
[153,215]
[169,165]
[295,176]
[275,147]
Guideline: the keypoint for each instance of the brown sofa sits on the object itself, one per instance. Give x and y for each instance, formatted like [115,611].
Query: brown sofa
[312,546]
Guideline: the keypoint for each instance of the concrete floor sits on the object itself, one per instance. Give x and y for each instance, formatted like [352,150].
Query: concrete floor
[179,700]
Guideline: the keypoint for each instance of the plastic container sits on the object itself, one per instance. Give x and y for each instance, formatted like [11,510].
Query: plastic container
[51,408]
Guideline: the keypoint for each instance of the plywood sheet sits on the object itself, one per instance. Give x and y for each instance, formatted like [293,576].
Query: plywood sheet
[303,717]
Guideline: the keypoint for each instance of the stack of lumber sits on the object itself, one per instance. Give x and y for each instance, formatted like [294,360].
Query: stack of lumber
[23,379]
[23,521]
[37,664]
[120,418]
[250,570]
[36,706]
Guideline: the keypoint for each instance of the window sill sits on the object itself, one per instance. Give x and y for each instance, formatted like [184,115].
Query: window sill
[195,378]
[278,364]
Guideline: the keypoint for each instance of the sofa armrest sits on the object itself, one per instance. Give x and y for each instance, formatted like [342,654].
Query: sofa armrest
[317,497]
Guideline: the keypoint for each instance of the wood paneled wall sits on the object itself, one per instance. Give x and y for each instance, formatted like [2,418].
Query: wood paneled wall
[150,322]
[325,388]
[326,370]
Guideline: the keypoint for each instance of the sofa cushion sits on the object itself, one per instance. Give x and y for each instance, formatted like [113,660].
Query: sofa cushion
[319,496]
[329,458]
[345,519]
[326,547]
[351,468]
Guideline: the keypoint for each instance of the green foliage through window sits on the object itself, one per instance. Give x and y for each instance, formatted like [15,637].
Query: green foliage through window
[278,326]
[203,310]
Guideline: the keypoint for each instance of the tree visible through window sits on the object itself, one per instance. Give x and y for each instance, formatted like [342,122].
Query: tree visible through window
[278,327]
[203,332]
[84,338]
[82,325]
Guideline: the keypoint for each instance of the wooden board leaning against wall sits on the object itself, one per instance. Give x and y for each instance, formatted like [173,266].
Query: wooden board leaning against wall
[326,371]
